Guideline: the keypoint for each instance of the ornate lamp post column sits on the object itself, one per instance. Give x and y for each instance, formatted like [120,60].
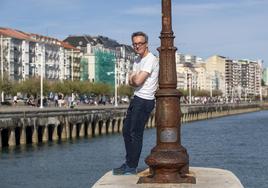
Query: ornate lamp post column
[168,161]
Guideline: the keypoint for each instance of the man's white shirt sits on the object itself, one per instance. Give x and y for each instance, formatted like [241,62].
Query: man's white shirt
[149,64]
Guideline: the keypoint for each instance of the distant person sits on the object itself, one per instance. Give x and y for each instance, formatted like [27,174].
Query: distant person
[56,102]
[144,79]
[15,100]
[60,99]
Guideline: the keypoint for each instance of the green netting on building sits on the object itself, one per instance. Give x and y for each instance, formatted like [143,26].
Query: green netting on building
[104,67]
[265,76]
[84,69]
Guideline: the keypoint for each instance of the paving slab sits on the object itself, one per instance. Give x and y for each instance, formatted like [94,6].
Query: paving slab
[205,178]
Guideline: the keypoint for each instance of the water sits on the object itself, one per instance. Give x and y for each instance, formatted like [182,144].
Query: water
[237,143]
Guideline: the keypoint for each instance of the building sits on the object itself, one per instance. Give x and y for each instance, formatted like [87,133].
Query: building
[251,75]
[187,58]
[107,60]
[235,78]
[265,76]
[22,55]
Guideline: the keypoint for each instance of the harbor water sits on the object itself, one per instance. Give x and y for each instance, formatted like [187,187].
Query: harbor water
[237,143]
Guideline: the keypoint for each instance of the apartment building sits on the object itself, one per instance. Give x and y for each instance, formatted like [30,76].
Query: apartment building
[251,74]
[236,78]
[23,54]
[108,61]
[99,58]
[186,76]
[203,79]
[187,58]
[265,76]
[216,68]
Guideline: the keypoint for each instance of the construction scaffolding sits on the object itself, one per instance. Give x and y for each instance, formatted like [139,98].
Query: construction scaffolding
[84,69]
[105,67]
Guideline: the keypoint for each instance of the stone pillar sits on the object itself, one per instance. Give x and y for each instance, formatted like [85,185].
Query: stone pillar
[121,124]
[63,132]
[115,126]
[45,133]
[67,129]
[74,131]
[23,135]
[34,135]
[96,129]
[89,129]
[110,126]
[153,121]
[103,127]
[147,123]
[0,138]
[82,130]
[55,133]
[11,137]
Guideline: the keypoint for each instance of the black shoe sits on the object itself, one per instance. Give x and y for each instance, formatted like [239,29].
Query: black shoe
[124,169]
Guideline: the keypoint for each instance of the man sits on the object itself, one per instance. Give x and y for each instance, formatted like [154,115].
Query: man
[145,80]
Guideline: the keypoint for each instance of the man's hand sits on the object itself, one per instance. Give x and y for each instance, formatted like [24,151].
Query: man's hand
[130,76]
[137,79]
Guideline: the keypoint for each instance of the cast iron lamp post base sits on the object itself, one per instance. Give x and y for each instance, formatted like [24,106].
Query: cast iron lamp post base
[168,161]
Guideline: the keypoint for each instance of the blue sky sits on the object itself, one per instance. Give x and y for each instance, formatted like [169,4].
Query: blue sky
[232,28]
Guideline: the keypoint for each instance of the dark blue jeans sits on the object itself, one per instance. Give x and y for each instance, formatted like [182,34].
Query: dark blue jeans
[138,113]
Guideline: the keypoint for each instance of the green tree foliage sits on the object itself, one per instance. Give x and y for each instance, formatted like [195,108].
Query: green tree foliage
[68,87]
[7,86]
[59,87]
[86,87]
[125,90]
[101,88]
[32,87]
[217,92]
[183,92]
[201,93]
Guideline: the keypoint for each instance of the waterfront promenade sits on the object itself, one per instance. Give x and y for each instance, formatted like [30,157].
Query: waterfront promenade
[30,125]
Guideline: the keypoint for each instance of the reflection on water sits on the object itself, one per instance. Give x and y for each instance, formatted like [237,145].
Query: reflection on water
[237,143]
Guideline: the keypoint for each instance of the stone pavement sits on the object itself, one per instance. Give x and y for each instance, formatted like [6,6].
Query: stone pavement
[205,178]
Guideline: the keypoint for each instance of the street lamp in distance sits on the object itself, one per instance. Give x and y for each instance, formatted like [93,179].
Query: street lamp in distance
[41,81]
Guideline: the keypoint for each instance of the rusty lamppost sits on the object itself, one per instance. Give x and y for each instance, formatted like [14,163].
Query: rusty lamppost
[168,161]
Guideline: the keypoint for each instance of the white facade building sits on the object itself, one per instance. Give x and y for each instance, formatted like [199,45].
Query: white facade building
[22,54]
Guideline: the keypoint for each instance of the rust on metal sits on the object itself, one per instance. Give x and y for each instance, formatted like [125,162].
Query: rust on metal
[168,161]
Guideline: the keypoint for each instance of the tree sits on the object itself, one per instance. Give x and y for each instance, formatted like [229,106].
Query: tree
[60,87]
[125,90]
[101,88]
[32,87]
[7,86]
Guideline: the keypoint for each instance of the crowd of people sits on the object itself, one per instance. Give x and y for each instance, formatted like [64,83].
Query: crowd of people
[61,100]
[212,100]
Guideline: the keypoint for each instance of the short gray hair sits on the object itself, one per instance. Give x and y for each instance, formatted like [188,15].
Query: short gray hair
[140,33]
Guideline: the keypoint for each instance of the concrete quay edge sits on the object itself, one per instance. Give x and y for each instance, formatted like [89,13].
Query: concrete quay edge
[205,178]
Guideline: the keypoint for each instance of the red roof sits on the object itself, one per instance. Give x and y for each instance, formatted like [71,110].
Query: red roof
[33,37]
[68,46]
[14,33]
